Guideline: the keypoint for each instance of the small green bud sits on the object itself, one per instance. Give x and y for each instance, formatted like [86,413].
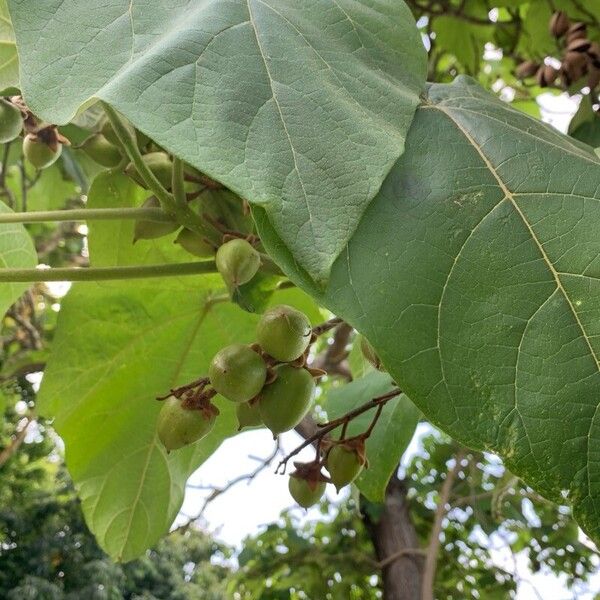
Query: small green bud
[248,415]
[100,150]
[284,333]
[284,402]
[178,426]
[195,244]
[237,372]
[237,261]
[159,163]
[344,465]
[149,230]
[38,153]
[306,493]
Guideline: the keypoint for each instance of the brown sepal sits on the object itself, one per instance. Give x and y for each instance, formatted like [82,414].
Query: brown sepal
[527,69]
[310,472]
[559,24]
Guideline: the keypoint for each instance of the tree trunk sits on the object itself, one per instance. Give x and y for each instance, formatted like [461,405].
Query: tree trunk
[393,533]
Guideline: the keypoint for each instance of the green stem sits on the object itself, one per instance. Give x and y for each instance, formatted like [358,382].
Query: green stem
[129,145]
[87,214]
[178,184]
[181,212]
[106,273]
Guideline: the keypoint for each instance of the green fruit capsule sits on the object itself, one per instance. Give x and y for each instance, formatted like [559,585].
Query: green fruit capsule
[286,401]
[11,122]
[248,415]
[159,163]
[237,373]
[237,261]
[39,154]
[195,244]
[178,426]
[284,333]
[344,465]
[149,230]
[305,493]
[100,150]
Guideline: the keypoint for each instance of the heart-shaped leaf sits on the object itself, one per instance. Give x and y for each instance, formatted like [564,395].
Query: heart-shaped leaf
[9,60]
[475,275]
[301,107]
[117,347]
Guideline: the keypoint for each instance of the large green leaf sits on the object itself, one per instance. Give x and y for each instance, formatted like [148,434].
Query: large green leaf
[9,61]
[118,346]
[16,252]
[389,438]
[301,107]
[475,275]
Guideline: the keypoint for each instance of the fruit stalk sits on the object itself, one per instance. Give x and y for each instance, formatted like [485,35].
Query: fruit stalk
[328,427]
[182,213]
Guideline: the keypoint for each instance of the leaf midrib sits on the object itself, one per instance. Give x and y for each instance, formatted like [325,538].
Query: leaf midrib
[509,196]
[276,101]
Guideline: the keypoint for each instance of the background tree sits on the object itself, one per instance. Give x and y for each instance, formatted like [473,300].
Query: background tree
[48,553]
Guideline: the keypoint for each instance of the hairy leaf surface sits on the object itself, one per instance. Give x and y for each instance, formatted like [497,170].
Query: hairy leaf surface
[301,107]
[475,275]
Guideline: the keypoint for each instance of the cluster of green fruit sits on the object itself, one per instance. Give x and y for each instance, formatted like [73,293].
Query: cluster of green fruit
[268,381]
[237,260]
[344,460]
[42,143]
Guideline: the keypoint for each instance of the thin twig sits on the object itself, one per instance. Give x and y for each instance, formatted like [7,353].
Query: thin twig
[10,450]
[325,428]
[333,358]
[388,560]
[327,326]
[434,537]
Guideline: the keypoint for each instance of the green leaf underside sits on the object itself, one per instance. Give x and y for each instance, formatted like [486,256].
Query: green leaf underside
[117,347]
[475,275]
[391,435]
[301,107]
[9,61]
[16,252]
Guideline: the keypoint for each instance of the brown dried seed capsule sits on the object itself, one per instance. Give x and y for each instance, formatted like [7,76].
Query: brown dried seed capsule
[577,31]
[582,45]
[550,74]
[559,24]
[527,69]
[594,78]
[574,60]
[574,67]
[593,54]
[546,75]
